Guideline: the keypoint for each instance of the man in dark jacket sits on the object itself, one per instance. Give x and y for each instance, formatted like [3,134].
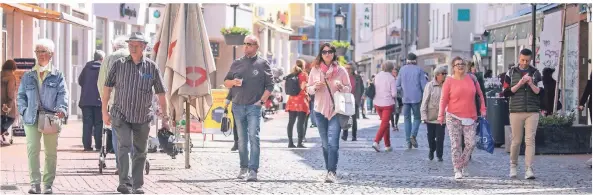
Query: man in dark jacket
[521,86]
[358,91]
[90,102]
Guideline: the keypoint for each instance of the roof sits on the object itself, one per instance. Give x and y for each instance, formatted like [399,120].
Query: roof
[525,11]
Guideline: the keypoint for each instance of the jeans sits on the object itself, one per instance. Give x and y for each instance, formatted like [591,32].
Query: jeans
[248,125]
[354,125]
[329,131]
[50,148]
[385,113]
[436,137]
[292,118]
[92,126]
[131,135]
[411,128]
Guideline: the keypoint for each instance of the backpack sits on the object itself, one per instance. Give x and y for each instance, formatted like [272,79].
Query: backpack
[292,85]
[370,92]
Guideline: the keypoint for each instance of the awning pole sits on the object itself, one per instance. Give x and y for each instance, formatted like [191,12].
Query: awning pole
[187,137]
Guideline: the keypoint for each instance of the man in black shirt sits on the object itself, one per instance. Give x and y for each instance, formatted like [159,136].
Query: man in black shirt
[250,78]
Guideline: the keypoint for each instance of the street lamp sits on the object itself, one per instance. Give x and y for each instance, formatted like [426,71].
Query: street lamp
[340,20]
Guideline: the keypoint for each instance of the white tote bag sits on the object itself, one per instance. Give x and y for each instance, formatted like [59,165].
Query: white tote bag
[344,103]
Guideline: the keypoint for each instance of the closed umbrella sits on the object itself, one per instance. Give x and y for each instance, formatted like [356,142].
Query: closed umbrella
[184,50]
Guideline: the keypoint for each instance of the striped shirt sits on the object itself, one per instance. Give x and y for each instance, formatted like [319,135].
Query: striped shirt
[134,84]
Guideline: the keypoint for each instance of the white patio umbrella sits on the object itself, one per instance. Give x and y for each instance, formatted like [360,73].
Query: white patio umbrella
[183,52]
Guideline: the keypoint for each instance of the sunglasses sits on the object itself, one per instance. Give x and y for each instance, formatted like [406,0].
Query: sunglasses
[327,52]
[249,44]
[461,64]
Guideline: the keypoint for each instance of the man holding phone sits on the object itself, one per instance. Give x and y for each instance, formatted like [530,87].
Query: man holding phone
[521,87]
[250,79]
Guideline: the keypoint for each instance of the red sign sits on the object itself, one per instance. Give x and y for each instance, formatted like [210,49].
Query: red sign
[298,38]
[282,18]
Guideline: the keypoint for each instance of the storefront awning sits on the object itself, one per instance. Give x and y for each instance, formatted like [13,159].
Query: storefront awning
[46,14]
[384,47]
[276,28]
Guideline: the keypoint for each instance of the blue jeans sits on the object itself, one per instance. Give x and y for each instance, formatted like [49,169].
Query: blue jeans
[411,128]
[329,131]
[248,124]
[114,144]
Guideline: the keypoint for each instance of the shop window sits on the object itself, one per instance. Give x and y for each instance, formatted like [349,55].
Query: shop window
[119,28]
[100,34]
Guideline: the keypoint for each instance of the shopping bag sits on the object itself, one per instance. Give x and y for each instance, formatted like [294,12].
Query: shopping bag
[484,140]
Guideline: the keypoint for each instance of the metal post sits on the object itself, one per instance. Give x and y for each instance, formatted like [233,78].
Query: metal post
[187,138]
[234,24]
[533,36]
[339,30]
[560,62]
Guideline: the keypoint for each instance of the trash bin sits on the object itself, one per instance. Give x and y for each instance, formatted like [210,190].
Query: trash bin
[498,117]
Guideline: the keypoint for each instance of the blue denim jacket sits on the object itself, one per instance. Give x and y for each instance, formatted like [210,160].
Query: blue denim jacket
[53,92]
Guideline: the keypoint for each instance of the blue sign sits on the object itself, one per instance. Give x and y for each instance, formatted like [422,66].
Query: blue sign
[481,48]
[463,15]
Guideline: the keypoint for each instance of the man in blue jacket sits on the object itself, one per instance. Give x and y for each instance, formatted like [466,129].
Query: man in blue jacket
[90,103]
[411,81]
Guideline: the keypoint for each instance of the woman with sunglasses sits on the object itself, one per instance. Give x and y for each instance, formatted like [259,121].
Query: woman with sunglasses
[326,72]
[460,118]
[429,110]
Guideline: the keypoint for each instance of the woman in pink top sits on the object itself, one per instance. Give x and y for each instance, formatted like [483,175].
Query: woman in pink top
[385,94]
[326,68]
[461,116]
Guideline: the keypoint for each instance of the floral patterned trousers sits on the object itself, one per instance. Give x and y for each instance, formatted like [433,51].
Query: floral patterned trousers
[456,129]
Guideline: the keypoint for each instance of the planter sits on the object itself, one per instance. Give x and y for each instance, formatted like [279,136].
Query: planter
[234,39]
[340,51]
[569,140]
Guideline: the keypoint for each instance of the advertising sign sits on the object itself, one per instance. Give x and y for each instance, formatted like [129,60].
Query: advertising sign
[214,116]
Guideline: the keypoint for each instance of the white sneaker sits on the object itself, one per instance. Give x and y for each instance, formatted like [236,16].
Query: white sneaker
[331,178]
[252,176]
[458,175]
[465,172]
[388,149]
[513,173]
[588,163]
[242,173]
[529,173]
[376,146]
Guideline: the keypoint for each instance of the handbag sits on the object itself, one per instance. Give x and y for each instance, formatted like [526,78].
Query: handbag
[47,122]
[477,101]
[225,123]
[343,105]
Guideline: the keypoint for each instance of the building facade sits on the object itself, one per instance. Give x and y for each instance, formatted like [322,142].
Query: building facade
[70,28]
[272,24]
[302,16]
[325,29]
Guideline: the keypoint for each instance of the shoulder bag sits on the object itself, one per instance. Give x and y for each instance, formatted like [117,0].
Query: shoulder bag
[343,105]
[47,122]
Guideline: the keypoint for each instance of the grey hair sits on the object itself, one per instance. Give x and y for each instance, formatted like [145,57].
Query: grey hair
[439,70]
[47,44]
[253,38]
[99,55]
[120,42]
[388,66]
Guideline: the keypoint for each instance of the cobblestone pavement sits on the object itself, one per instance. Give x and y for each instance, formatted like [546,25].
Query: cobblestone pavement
[283,170]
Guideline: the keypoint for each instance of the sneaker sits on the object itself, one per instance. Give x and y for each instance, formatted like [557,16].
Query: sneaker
[409,145]
[252,176]
[440,159]
[458,175]
[354,139]
[588,163]
[235,147]
[242,173]
[291,145]
[35,189]
[430,155]
[376,146]
[301,146]
[124,189]
[413,141]
[513,173]
[331,178]
[48,190]
[388,149]
[138,191]
[465,172]
[529,173]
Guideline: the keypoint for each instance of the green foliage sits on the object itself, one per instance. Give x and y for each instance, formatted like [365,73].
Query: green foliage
[342,60]
[234,31]
[341,44]
[557,120]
